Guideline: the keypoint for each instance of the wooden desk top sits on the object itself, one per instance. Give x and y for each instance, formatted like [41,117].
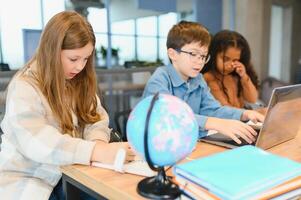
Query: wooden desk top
[114,185]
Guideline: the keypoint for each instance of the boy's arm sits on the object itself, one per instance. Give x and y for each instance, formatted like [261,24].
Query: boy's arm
[217,114]
[210,107]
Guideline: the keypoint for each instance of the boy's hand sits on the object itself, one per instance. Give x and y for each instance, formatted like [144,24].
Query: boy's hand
[106,152]
[232,128]
[252,115]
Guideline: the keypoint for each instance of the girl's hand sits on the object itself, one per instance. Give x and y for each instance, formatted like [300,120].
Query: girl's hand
[106,152]
[240,69]
[252,115]
[232,128]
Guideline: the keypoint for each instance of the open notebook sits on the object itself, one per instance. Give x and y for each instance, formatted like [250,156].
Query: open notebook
[137,167]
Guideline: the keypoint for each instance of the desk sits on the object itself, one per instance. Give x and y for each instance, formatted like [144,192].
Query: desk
[113,185]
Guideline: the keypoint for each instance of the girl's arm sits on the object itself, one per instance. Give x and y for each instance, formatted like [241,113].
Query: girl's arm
[106,152]
[34,131]
[249,92]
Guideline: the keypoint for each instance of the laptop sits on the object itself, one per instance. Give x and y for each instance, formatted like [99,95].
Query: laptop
[282,121]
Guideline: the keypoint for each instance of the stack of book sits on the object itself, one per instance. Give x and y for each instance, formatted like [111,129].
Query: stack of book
[243,173]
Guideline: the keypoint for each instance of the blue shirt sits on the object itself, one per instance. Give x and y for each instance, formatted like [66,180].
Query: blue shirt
[194,92]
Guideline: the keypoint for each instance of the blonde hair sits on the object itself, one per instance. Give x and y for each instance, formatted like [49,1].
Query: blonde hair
[67,30]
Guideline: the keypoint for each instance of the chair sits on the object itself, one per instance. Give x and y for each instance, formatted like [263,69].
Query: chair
[4,67]
[120,120]
[267,86]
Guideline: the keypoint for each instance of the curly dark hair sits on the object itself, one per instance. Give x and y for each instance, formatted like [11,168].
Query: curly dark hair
[220,43]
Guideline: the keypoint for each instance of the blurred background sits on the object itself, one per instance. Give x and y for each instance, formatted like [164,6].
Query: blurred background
[137,29]
[131,37]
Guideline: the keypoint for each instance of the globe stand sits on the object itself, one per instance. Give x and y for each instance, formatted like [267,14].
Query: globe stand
[158,187]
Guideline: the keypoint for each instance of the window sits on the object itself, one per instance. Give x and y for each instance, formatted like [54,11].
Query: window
[98,19]
[12,26]
[142,38]
[147,48]
[125,46]
[163,51]
[166,21]
[126,27]
[147,26]
[101,40]
[51,7]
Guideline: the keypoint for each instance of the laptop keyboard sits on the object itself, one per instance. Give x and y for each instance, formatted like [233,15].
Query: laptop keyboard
[243,142]
[222,138]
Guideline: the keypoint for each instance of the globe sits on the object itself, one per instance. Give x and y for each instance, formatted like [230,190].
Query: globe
[162,129]
[172,129]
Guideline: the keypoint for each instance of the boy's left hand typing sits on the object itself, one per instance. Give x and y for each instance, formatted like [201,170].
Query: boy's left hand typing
[252,115]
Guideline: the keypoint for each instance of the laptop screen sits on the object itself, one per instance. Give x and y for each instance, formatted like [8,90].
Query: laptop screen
[282,121]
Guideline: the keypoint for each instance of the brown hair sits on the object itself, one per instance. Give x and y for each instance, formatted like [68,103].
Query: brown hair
[67,30]
[185,33]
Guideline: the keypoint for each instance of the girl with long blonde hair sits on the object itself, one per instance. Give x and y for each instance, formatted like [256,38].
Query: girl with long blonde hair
[53,114]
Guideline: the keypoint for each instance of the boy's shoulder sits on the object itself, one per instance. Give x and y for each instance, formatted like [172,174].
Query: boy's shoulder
[161,71]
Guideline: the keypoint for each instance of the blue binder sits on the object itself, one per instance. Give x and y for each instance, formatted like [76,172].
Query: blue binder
[239,173]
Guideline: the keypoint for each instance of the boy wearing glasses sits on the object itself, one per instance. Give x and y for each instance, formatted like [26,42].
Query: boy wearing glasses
[187,49]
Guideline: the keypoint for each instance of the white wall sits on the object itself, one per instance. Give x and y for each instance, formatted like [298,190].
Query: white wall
[253,22]
[275,55]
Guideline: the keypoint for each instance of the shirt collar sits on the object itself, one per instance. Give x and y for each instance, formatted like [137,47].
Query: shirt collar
[174,76]
[178,81]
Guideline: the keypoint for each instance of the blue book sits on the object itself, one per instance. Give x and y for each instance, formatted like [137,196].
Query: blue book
[239,173]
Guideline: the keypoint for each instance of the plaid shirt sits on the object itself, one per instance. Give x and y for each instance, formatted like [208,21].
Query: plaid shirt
[33,148]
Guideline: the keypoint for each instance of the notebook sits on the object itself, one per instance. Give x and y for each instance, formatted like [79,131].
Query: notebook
[288,189]
[281,123]
[240,173]
[138,166]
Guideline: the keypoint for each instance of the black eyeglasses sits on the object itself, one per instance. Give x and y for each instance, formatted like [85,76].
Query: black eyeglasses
[195,57]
